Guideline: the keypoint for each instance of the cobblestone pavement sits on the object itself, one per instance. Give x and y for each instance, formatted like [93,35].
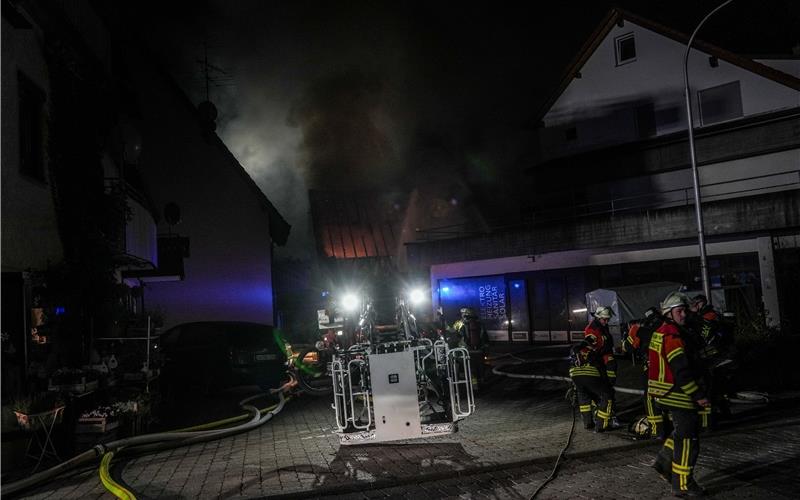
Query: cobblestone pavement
[503,451]
[760,460]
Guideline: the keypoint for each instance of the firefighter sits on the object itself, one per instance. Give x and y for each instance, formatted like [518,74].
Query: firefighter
[595,354]
[474,336]
[713,340]
[637,342]
[597,334]
[672,383]
[705,321]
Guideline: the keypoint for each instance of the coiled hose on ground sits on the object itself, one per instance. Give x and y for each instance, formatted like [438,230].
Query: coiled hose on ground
[497,371]
[155,442]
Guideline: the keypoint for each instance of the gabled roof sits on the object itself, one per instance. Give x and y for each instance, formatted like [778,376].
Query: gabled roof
[278,227]
[617,15]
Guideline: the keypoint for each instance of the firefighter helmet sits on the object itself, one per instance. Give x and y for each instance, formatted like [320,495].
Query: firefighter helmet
[641,428]
[673,300]
[467,312]
[603,312]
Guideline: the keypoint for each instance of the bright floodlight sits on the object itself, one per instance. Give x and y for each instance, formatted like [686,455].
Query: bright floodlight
[416,296]
[350,302]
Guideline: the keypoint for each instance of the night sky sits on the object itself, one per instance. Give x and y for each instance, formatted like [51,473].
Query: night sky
[356,95]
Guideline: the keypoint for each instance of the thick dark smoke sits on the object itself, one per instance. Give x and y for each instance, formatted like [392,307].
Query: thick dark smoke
[350,135]
[334,95]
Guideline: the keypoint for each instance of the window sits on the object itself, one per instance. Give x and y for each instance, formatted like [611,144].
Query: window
[31,128]
[721,103]
[625,49]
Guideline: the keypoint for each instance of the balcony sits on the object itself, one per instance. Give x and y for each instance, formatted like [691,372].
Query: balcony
[134,235]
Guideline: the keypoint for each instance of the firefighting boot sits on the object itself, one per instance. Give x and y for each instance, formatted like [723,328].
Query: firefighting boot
[603,418]
[663,461]
[690,488]
[684,457]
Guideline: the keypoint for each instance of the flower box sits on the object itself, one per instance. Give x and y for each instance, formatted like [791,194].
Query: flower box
[95,425]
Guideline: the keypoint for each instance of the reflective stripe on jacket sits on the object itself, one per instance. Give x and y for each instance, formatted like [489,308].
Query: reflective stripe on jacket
[598,339]
[585,370]
[669,375]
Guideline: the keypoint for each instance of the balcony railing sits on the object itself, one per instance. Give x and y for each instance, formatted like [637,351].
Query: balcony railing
[137,246]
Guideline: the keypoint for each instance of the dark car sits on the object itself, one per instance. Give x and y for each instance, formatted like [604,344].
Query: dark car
[214,355]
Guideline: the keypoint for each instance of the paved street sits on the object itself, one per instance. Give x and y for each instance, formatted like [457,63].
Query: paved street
[759,461]
[503,451]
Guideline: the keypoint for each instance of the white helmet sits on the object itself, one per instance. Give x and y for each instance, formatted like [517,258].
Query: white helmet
[603,312]
[642,427]
[673,300]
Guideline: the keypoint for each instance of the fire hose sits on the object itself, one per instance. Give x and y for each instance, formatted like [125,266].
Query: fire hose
[497,371]
[155,442]
[741,397]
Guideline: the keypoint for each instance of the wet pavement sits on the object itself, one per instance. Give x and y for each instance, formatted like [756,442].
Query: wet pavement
[504,450]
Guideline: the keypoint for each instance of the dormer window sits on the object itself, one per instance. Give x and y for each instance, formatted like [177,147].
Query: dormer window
[625,49]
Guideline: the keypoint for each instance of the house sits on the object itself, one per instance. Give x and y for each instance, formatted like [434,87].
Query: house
[612,202]
[118,200]
[221,222]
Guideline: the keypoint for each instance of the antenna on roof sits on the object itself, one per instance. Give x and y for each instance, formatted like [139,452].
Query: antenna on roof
[212,75]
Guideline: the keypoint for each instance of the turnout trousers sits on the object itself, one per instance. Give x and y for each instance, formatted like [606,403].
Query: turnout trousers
[660,425]
[594,389]
[679,453]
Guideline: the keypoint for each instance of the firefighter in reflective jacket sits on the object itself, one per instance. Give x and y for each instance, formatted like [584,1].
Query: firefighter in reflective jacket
[592,372]
[676,390]
[474,336]
[596,334]
[637,342]
[713,339]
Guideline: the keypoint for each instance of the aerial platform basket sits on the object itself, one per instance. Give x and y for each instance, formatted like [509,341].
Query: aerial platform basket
[403,389]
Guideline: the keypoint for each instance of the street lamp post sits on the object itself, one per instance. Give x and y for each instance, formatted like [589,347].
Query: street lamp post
[698,211]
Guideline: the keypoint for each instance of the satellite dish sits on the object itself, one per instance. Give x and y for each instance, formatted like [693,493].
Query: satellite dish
[172,213]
